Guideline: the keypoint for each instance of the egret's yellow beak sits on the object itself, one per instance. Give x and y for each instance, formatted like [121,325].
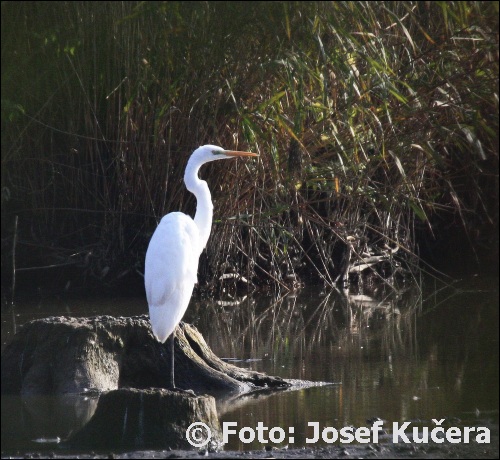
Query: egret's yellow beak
[236,153]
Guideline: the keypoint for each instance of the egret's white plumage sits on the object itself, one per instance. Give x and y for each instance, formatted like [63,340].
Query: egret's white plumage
[172,257]
[170,275]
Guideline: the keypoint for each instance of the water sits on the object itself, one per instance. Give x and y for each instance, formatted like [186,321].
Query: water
[413,355]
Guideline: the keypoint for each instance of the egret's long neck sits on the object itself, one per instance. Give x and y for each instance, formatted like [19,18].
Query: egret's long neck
[204,206]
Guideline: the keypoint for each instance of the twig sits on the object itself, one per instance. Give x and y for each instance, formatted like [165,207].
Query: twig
[14,242]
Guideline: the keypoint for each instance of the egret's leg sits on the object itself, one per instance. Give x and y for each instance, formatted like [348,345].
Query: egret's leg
[172,358]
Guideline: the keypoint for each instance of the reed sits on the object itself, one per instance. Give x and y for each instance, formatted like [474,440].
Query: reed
[376,123]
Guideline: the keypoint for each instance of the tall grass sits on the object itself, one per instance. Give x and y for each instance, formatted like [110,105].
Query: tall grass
[373,119]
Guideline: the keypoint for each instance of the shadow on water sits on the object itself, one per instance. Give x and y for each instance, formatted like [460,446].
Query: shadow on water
[411,355]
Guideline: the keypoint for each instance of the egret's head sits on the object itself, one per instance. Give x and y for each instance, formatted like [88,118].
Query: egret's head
[209,152]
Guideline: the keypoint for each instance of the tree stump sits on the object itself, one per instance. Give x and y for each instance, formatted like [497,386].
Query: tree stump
[118,362]
[59,355]
[138,419]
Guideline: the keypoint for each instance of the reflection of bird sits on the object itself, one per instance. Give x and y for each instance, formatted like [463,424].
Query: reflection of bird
[175,247]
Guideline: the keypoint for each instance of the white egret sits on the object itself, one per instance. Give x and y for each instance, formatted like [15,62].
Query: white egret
[172,257]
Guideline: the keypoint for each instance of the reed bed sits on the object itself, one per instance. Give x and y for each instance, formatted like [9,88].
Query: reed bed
[376,122]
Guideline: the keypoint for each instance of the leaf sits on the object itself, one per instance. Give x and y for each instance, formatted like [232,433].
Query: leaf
[419,211]
[398,164]
[262,107]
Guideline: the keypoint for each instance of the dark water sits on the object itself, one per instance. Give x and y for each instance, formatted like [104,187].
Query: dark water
[414,355]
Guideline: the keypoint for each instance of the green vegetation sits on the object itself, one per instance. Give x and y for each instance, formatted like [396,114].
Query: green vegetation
[377,123]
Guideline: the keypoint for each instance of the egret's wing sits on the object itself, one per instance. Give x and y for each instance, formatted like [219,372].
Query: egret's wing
[171,271]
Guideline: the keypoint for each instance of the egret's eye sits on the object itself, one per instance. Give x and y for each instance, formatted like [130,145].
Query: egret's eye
[216,152]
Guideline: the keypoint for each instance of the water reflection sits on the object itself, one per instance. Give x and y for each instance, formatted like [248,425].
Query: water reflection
[404,355]
[43,419]
[279,333]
